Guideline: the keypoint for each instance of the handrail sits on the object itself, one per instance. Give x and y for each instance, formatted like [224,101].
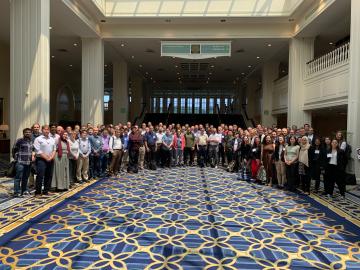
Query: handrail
[168,113]
[141,114]
[247,116]
[337,56]
[218,113]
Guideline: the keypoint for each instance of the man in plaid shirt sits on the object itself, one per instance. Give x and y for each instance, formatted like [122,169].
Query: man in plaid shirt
[23,154]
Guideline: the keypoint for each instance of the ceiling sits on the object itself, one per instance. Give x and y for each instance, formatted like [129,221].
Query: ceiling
[67,30]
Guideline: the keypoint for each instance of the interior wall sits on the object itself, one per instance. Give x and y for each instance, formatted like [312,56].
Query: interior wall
[327,124]
[60,78]
[5,79]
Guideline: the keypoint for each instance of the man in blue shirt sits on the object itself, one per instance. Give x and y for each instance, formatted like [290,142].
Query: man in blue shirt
[167,145]
[96,149]
[125,143]
[150,146]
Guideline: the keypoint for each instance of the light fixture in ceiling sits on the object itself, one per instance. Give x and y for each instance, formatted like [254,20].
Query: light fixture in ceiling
[212,66]
[330,43]
[269,44]
[132,56]
[75,44]
[105,65]
[50,27]
[122,44]
[249,66]
[257,57]
[242,73]
[70,65]
[140,66]
[53,56]
[176,66]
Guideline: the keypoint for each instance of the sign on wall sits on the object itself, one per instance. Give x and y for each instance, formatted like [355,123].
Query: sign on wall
[196,49]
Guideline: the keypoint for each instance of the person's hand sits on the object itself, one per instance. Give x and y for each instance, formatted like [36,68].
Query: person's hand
[147,150]
[193,148]
[33,158]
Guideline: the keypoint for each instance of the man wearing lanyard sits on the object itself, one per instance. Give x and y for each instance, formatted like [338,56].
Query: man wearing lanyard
[124,135]
[96,149]
[45,150]
[150,146]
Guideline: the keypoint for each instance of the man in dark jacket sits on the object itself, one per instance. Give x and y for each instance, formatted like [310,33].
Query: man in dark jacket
[136,140]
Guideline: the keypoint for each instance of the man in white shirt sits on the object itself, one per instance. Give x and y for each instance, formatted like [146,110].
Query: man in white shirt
[83,160]
[214,141]
[115,146]
[45,150]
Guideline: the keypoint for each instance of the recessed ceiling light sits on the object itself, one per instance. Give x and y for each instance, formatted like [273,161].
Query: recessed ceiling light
[50,27]
[212,66]
[132,56]
[208,78]
[176,66]
[146,73]
[210,73]
[179,78]
[283,71]
[178,73]
[257,57]
[249,66]
[330,43]
[70,65]
[75,44]
[53,56]
[122,45]
[269,45]
[242,73]
[140,66]
[150,78]
[207,82]
[105,65]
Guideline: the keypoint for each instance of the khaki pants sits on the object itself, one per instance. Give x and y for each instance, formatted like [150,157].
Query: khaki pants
[82,168]
[281,172]
[141,157]
[115,161]
[125,160]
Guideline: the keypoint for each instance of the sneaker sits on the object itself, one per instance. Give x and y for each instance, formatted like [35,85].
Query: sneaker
[26,193]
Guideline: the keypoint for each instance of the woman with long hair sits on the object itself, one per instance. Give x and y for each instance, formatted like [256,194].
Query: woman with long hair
[267,151]
[334,169]
[280,146]
[255,157]
[291,156]
[61,175]
[304,165]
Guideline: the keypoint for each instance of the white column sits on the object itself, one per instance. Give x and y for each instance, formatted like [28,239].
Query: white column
[92,84]
[269,74]
[120,92]
[353,124]
[29,61]
[137,97]
[300,52]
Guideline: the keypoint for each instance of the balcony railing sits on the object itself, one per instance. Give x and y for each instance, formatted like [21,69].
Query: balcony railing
[338,56]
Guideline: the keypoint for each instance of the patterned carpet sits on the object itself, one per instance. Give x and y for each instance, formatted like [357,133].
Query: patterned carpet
[186,218]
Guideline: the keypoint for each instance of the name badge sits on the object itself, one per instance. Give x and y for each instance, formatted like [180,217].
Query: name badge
[329,155]
[254,150]
[317,151]
[97,141]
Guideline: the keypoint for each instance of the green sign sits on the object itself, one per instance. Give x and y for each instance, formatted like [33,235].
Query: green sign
[196,49]
[176,48]
[215,48]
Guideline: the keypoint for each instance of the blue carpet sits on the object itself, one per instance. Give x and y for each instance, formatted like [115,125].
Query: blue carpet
[186,218]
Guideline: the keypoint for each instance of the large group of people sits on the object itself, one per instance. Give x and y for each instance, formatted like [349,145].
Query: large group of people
[54,158]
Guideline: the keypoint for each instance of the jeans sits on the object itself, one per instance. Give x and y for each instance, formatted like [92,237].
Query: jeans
[178,156]
[202,155]
[21,177]
[104,159]
[44,175]
[95,166]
